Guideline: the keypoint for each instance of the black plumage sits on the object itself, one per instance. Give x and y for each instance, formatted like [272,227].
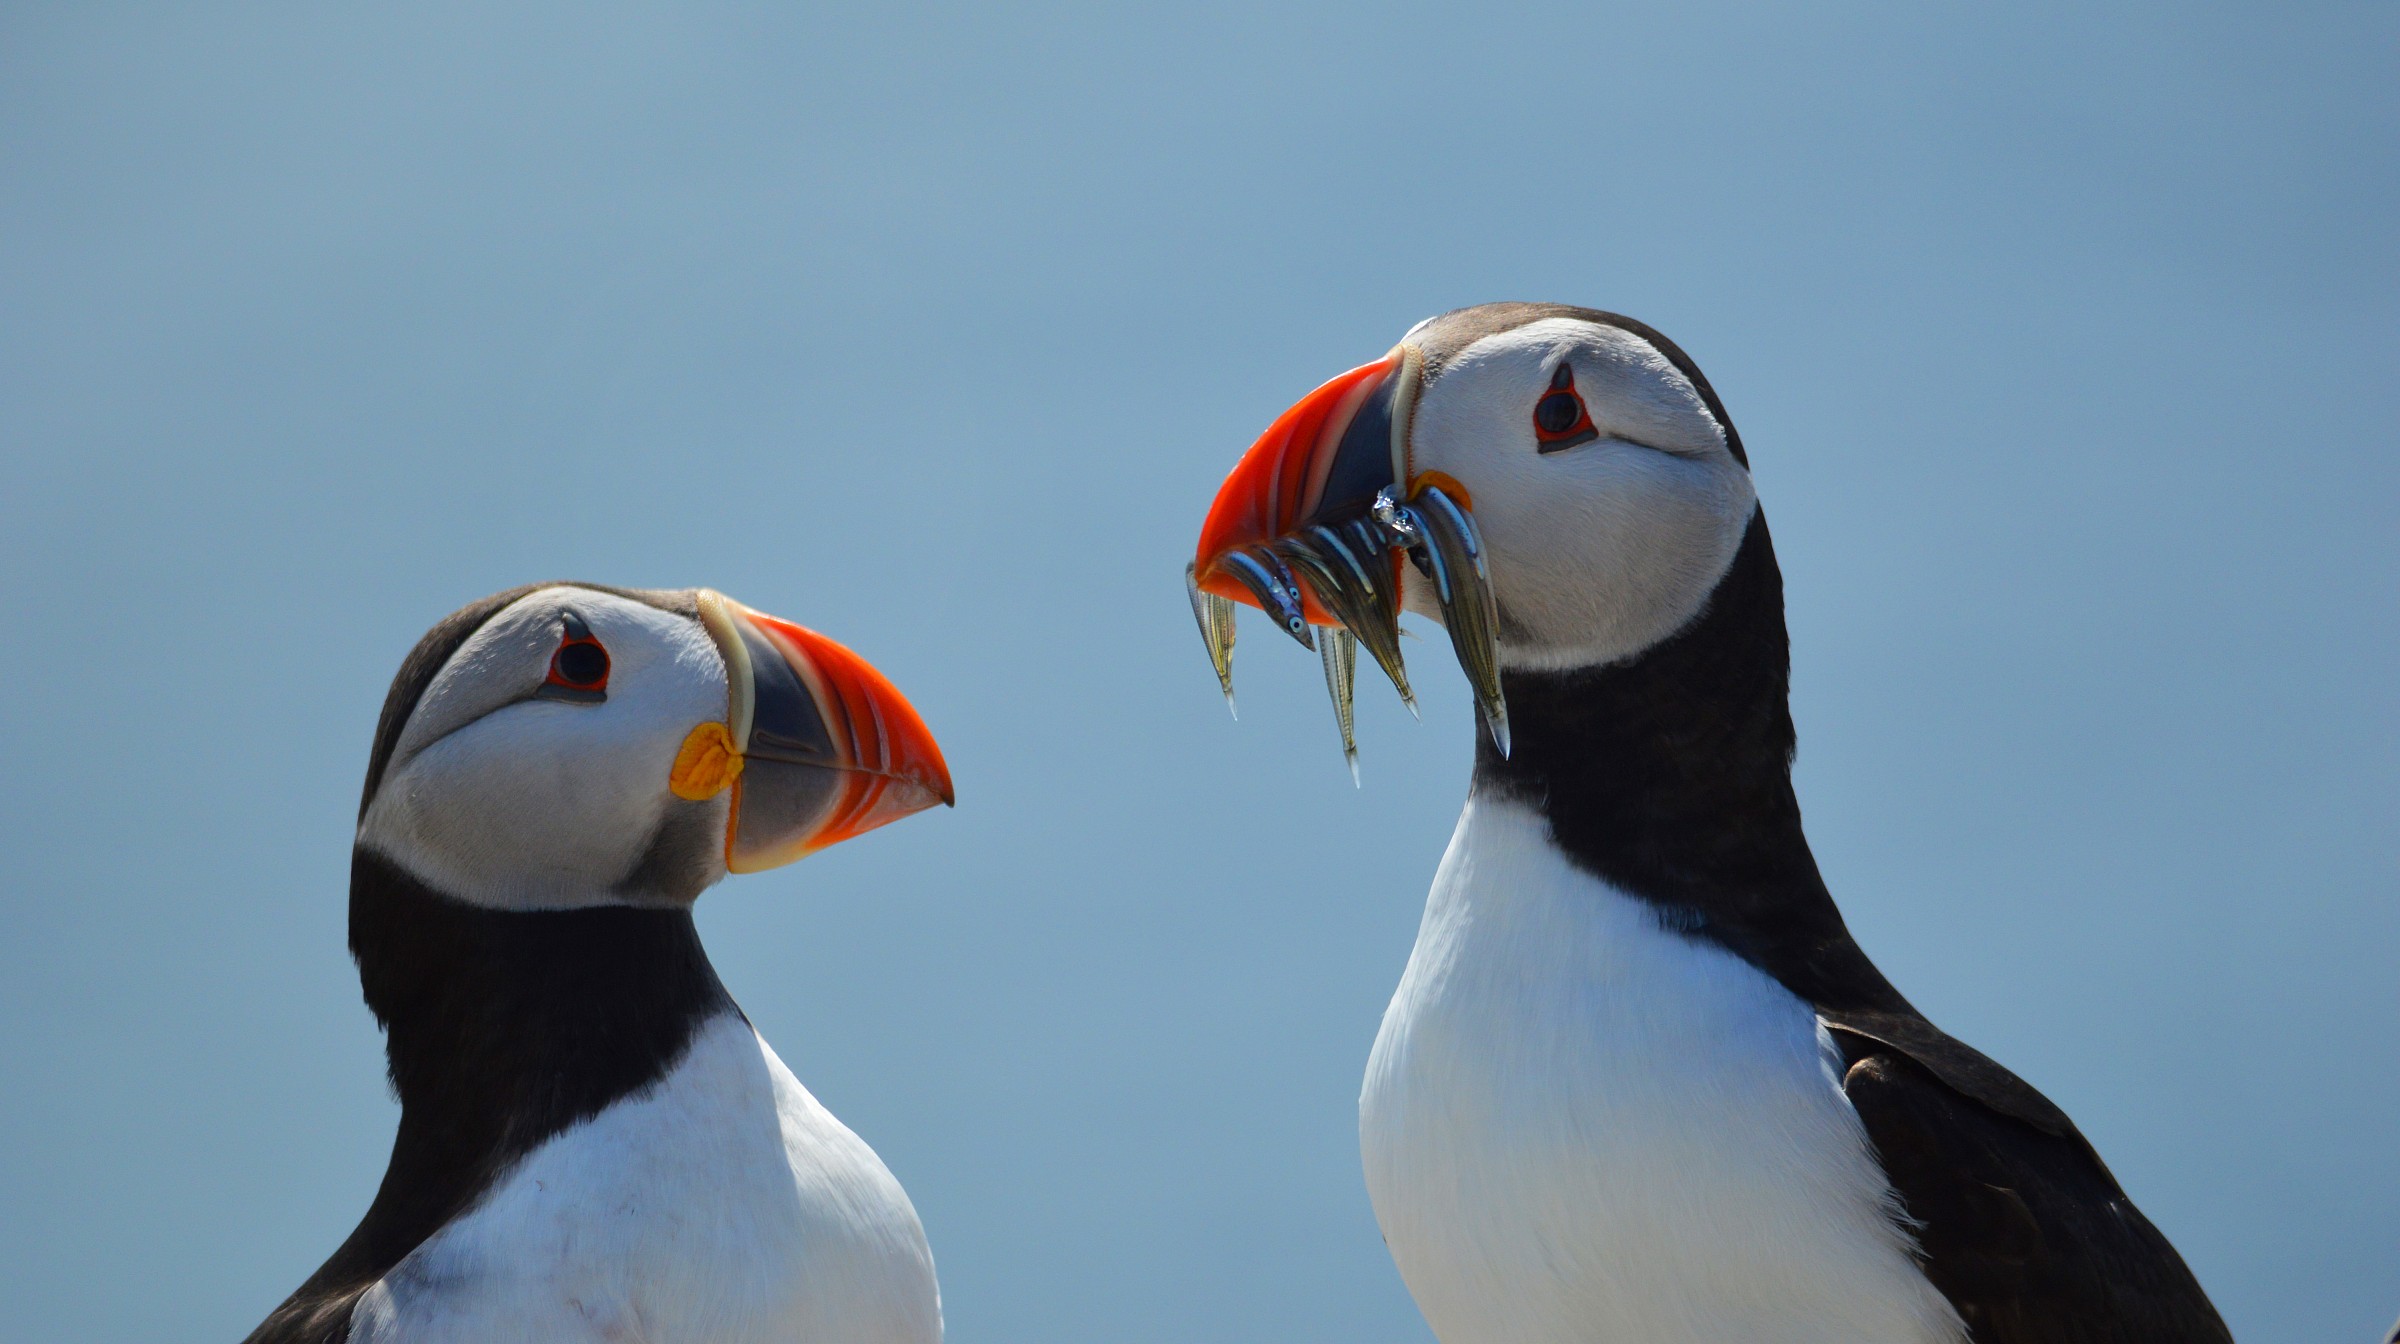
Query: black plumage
[502,1028]
[2023,1230]
[1669,777]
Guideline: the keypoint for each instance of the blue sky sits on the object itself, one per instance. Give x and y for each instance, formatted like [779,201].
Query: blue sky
[2062,340]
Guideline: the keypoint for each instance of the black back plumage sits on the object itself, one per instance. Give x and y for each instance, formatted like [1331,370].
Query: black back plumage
[1669,777]
[502,1028]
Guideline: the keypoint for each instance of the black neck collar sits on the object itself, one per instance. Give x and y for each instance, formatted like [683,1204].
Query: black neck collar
[502,1029]
[1669,776]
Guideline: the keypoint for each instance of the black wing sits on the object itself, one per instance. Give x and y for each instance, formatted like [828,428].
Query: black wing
[2022,1227]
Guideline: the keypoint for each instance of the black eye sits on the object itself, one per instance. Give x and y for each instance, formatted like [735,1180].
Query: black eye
[579,668]
[1557,412]
[583,666]
[1559,418]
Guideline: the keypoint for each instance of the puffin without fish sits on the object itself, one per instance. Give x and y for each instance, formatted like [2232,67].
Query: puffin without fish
[1638,1083]
[594,1144]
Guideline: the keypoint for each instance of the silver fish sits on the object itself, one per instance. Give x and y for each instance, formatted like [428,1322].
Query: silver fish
[1353,578]
[1339,649]
[1215,615]
[1453,551]
[1270,581]
[1366,555]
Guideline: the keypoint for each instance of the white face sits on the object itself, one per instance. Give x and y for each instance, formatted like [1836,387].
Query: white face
[1599,550]
[510,793]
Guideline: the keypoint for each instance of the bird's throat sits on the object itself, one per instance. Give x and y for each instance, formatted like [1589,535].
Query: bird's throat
[1668,775]
[504,1028]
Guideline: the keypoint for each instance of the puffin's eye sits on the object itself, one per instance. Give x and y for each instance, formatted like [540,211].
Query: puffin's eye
[579,669]
[1559,418]
[583,666]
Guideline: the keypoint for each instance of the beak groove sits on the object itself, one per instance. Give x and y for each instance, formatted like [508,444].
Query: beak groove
[1310,527]
[827,748]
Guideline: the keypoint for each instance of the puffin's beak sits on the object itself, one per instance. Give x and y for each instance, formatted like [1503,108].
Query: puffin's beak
[1310,528]
[817,745]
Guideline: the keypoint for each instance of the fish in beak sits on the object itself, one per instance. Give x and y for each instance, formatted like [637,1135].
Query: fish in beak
[817,746]
[1312,526]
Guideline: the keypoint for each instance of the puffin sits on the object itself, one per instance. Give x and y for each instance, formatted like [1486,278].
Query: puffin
[1639,1084]
[594,1144]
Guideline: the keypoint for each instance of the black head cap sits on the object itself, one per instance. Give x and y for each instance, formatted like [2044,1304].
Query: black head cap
[1442,338]
[433,652]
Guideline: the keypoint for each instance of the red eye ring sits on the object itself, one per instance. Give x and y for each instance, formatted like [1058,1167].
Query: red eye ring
[580,663]
[1560,419]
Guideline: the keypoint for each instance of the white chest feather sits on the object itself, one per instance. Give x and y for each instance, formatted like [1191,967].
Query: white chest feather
[1579,1126]
[724,1204]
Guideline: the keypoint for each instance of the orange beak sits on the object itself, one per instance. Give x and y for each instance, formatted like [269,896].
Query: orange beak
[1290,478]
[823,747]
[1310,528]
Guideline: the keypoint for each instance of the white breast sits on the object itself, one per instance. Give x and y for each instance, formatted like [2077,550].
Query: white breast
[1579,1126]
[724,1205]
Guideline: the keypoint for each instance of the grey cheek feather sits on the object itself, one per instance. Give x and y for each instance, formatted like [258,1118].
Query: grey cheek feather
[1513,629]
[684,856]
